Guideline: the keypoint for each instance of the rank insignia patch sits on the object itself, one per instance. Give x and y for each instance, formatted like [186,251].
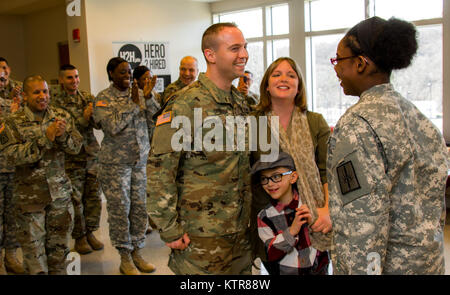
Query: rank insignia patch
[347,178]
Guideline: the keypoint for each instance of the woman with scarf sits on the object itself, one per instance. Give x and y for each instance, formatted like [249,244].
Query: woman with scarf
[304,136]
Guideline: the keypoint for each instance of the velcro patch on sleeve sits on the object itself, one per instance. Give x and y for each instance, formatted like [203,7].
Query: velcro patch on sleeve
[101,103]
[348,181]
[164,118]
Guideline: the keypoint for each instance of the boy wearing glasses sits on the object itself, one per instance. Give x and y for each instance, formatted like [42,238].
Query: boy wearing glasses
[283,224]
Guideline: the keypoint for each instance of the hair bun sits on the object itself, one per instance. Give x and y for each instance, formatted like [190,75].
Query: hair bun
[395,45]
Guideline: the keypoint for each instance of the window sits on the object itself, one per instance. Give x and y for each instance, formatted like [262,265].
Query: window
[326,22]
[268,37]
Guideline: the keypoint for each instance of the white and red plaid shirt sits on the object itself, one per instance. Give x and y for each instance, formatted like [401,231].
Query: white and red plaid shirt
[294,254]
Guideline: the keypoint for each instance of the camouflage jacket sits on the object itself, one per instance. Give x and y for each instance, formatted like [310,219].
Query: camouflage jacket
[7,91]
[75,106]
[171,89]
[5,111]
[124,126]
[386,170]
[252,98]
[204,193]
[152,106]
[40,176]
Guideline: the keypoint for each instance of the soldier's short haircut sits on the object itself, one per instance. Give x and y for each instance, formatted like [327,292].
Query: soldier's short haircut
[113,64]
[29,79]
[209,36]
[4,59]
[66,67]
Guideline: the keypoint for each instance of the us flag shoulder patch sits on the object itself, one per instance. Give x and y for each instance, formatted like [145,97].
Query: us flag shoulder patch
[101,103]
[164,118]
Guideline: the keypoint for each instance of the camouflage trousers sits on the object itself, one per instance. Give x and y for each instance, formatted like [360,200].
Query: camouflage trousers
[8,227]
[223,255]
[87,203]
[124,188]
[45,235]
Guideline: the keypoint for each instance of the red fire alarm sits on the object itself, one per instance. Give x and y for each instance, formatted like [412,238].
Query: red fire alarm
[76,35]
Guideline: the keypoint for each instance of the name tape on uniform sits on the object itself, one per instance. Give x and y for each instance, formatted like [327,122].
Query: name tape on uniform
[164,118]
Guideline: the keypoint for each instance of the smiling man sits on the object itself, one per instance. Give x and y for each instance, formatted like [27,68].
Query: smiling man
[35,140]
[200,199]
[81,168]
[188,74]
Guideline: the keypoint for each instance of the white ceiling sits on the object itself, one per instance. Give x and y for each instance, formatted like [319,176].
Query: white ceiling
[24,7]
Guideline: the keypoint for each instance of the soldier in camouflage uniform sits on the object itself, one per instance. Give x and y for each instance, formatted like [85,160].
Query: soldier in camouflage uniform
[35,140]
[244,84]
[144,83]
[12,89]
[386,162]
[200,200]
[81,168]
[122,159]
[188,74]
[8,226]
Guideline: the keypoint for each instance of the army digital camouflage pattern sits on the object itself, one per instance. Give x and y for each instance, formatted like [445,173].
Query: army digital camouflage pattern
[8,226]
[171,89]
[152,107]
[82,168]
[386,173]
[122,158]
[44,212]
[7,91]
[203,193]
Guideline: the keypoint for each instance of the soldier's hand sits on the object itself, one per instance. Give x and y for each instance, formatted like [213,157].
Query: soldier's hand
[149,85]
[180,244]
[14,107]
[135,92]
[323,223]
[51,131]
[60,127]
[88,111]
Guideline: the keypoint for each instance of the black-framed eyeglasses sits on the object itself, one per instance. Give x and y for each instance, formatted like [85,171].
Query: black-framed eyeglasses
[275,178]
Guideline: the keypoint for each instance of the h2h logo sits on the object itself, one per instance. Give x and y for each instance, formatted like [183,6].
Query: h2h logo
[132,54]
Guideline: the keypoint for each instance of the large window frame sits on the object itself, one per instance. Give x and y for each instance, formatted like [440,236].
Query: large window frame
[298,36]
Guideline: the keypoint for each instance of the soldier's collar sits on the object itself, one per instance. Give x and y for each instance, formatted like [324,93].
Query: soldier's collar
[30,115]
[219,95]
[375,91]
[117,93]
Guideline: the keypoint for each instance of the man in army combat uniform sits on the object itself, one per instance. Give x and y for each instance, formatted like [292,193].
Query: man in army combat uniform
[188,74]
[81,168]
[8,226]
[200,199]
[35,140]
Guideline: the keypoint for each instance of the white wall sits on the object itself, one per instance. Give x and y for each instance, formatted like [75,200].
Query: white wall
[13,45]
[43,30]
[79,50]
[179,22]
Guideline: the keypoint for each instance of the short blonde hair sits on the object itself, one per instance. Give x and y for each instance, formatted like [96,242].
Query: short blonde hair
[265,101]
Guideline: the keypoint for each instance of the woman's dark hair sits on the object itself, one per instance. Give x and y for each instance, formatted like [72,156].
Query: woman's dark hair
[139,71]
[113,64]
[390,44]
